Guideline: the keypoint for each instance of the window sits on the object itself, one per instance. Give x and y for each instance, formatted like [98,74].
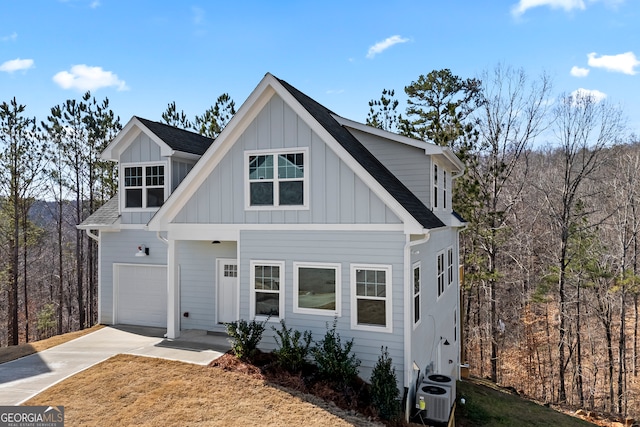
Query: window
[371,297]
[435,186]
[441,272]
[277,179]
[455,325]
[316,288]
[266,296]
[144,186]
[231,270]
[416,293]
[444,189]
[449,266]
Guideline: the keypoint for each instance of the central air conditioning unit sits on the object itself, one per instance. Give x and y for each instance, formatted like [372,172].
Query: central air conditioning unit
[436,402]
[443,381]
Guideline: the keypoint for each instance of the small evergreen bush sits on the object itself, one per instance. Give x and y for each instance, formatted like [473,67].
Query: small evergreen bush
[245,337]
[384,387]
[335,362]
[293,347]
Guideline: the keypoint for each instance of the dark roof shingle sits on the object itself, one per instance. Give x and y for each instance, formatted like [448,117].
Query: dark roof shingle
[178,139]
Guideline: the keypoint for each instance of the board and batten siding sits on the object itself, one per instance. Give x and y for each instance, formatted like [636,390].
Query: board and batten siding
[409,164]
[336,194]
[179,169]
[344,248]
[198,277]
[121,247]
[141,149]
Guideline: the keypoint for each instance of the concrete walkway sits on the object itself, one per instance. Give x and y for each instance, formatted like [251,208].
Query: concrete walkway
[23,378]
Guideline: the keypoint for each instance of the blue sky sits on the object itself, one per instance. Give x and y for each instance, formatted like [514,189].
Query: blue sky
[143,54]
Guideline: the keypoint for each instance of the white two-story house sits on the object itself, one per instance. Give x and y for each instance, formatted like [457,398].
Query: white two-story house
[293,212]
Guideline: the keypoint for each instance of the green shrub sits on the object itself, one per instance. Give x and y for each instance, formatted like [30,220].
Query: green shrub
[335,362]
[384,387]
[245,337]
[293,347]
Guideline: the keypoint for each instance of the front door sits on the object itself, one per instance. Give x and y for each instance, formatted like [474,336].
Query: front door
[227,290]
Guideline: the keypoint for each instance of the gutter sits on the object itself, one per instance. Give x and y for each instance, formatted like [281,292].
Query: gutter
[408,362]
[95,237]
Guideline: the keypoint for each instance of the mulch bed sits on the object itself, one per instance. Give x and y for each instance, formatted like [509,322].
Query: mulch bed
[354,396]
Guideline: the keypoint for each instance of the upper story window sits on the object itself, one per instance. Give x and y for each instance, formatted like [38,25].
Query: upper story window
[440,275]
[277,179]
[144,186]
[416,293]
[435,186]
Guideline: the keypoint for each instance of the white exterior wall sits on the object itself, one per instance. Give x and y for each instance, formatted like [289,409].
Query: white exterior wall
[345,248]
[198,281]
[121,247]
[437,313]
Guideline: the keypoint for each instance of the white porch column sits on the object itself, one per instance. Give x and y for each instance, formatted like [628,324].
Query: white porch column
[173,292]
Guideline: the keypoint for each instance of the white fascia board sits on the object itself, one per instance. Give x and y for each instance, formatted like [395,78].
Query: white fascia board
[214,154]
[127,135]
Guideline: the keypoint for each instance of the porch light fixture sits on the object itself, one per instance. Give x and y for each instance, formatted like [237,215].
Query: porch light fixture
[215,242]
[142,251]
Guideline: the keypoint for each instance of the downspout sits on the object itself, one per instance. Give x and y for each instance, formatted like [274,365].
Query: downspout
[93,236]
[161,238]
[408,329]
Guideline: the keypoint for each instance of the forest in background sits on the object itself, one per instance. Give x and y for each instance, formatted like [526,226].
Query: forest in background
[550,251]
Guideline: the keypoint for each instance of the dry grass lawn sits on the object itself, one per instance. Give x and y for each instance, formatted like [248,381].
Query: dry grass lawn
[132,390]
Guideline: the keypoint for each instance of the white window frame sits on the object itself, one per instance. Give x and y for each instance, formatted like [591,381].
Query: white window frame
[281,290]
[436,189]
[388,327]
[144,187]
[450,263]
[417,294]
[338,287]
[276,180]
[444,189]
[441,271]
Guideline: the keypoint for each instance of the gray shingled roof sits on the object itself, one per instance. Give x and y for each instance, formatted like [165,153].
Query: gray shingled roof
[178,139]
[105,216]
[380,173]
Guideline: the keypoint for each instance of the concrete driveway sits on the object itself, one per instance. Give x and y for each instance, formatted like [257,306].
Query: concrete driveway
[23,378]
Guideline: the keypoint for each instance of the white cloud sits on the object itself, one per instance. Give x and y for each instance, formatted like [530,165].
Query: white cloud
[94,4]
[594,94]
[10,38]
[579,71]
[621,63]
[16,65]
[384,45]
[567,5]
[83,78]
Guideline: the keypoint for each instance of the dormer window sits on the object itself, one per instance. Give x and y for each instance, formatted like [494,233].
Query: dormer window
[144,186]
[277,179]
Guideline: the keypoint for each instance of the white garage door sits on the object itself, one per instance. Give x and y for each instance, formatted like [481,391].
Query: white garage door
[141,295]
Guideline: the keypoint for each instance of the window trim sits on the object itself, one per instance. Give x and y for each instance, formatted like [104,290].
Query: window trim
[418,294]
[338,287]
[441,271]
[275,152]
[123,192]
[387,268]
[450,269]
[436,188]
[253,291]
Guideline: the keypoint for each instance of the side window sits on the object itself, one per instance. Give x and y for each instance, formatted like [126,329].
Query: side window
[450,270]
[416,293]
[440,277]
[435,186]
